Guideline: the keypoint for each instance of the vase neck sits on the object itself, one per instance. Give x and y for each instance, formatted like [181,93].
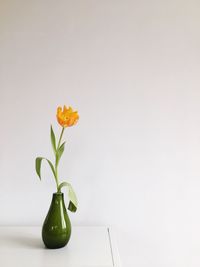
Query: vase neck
[57,197]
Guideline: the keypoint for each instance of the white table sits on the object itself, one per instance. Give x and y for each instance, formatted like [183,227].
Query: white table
[88,247]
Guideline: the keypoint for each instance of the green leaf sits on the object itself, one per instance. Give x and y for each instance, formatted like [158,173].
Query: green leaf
[59,153]
[52,167]
[53,140]
[73,203]
[38,162]
[72,207]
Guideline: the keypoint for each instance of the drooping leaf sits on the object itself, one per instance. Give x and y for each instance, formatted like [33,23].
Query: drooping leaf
[72,207]
[38,162]
[53,140]
[73,203]
[52,167]
[59,153]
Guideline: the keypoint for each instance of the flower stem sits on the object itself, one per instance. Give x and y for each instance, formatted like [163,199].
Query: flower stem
[56,166]
[60,137]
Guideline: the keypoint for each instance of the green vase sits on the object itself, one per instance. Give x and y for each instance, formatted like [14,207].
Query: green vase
[56,230]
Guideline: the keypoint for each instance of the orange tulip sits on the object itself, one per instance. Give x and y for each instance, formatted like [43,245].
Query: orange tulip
[67,117]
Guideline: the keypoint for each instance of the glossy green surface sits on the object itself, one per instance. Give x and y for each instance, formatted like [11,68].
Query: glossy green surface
[56,230]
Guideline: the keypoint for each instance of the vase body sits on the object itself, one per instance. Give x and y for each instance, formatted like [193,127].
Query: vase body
[56,230]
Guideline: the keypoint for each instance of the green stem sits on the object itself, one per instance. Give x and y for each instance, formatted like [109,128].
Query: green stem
[57,184]
[56,167]
[60,137]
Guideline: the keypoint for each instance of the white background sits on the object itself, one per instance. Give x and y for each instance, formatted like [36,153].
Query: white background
[131,68]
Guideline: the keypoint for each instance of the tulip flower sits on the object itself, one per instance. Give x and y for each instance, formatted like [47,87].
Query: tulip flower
[67,117]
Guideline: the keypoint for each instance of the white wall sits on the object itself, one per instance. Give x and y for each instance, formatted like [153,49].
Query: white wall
[131,68]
